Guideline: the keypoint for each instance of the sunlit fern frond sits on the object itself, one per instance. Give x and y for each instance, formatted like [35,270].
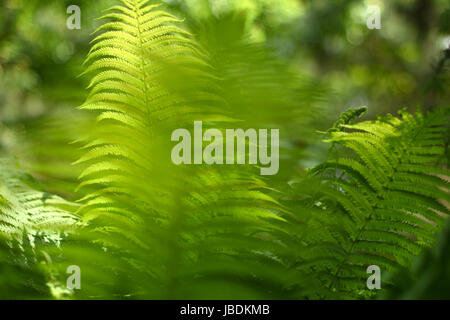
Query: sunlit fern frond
[26,210]
[30,222]
[172,230]
[380,202]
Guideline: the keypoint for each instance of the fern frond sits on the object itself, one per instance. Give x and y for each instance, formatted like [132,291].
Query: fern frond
[170,225]
[30,222]
[383,201]
[25,210]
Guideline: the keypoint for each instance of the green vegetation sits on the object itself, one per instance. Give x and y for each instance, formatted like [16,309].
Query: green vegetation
[86,176]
